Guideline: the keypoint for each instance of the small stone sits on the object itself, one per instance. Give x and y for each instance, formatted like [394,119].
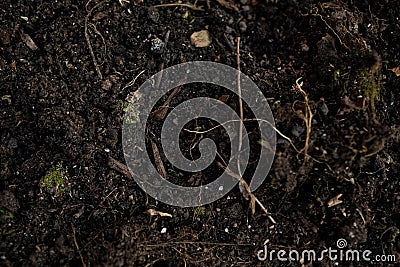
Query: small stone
[242,26]
[246,8]
[228,30]
[157,45]
[324,108]
[164,230]
[305,47]
[201,38]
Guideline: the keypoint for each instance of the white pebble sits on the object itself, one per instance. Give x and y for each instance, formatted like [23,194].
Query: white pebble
[164,230]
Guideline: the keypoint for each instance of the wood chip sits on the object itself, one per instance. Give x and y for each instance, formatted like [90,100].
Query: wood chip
[396,71]
[28,41]
[154,212]
[201,38]
[335,201]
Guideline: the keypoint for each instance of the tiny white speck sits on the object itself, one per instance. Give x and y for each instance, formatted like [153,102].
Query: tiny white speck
[106,150]
[249,226]
[221,188]
[226,230]
[164,230]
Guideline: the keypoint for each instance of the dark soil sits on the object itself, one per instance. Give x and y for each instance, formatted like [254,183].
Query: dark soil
[66,198]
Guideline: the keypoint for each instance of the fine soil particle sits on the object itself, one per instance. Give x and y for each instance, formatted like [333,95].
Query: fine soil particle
[68,67]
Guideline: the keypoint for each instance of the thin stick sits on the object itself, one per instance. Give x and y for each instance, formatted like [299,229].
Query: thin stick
[193,7]
[77,246]
[88,39]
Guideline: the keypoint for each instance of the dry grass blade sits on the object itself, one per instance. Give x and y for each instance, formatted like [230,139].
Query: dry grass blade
[191,6]
[243,186]
[96,65]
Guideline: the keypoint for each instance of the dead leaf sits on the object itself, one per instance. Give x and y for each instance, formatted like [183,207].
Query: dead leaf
[28,41]
[223,98]
[201,38]
[335,201]
[396,71]
[228,4]
[154,212]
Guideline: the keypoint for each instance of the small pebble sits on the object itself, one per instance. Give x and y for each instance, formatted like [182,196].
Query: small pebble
[201,38]
[164,230]
[157,45]
[242,26]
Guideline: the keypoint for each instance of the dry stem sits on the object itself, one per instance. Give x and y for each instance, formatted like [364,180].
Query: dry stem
[307,117]
[88,39]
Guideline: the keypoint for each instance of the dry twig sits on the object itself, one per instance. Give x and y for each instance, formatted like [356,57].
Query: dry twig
[243,186]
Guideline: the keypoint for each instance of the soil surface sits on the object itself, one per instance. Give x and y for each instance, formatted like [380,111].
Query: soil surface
[68,68]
